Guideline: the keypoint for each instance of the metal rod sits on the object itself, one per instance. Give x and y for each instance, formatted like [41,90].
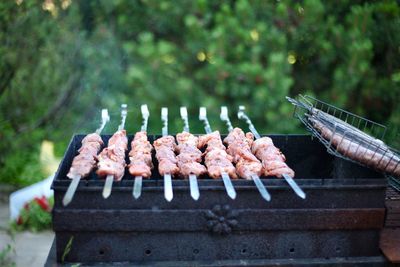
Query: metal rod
[184,116]
[203,118]
[124,113]
[194,187]
[225,117]
[241,115]
[164,118]
[137,187]
[104,119]
[288,179]
[168,193]
[110,178]
[294,186]
[145,115]
[230,190]
[261,188]
[108,186]
[69,195]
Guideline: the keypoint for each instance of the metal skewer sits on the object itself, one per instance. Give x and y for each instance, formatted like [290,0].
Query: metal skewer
[137,186]
[230,190]
[110,178]
[194,187]
[69,195]
[260,186]
[168,193]
[242,115]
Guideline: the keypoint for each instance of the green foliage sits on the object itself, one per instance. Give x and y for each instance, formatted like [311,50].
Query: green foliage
[61,63]
[5,259]
[35,216]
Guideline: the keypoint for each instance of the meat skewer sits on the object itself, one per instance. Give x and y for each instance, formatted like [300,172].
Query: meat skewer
[218,162]
[248,169]
[112,159]
[165,153]
[189,157]
[140,155]
[85,161]
[273,160]
[370,152]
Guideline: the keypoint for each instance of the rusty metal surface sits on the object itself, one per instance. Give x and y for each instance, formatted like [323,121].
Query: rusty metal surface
[390,244]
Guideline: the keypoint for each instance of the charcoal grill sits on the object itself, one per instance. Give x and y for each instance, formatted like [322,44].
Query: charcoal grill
[339,222]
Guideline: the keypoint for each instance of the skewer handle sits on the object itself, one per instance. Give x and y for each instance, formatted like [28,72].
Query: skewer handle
[137,187]
[203,117]
[168,193]
[184,116]
[69,195]
[225,117]
[294,186]
[194,187]
[145,115]
[108,186]
[242,115]
[230,190]
[164,118]
[104,119]
[261,188]
[124,113]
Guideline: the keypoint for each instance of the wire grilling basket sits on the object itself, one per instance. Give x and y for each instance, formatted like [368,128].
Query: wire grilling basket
[348,136]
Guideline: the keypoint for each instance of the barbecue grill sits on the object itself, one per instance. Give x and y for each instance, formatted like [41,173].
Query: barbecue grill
[338,222]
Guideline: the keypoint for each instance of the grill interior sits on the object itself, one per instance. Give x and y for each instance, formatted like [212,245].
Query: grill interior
[340,218]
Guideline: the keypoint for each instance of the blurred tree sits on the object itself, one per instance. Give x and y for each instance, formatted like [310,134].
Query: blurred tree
[63,60]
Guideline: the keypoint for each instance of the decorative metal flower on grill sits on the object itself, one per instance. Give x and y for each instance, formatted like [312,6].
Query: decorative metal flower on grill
[221,220]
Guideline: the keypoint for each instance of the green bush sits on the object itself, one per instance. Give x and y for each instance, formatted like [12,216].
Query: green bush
[61,61]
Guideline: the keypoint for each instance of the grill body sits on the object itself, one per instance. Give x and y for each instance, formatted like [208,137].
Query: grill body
[341,217]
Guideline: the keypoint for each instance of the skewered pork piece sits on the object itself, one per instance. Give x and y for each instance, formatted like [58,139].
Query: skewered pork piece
[272,159]
[239,147]
[216,158]
[165,153]
[368,153]
[190,156]
[140,156]
[112,158]
[86,160]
